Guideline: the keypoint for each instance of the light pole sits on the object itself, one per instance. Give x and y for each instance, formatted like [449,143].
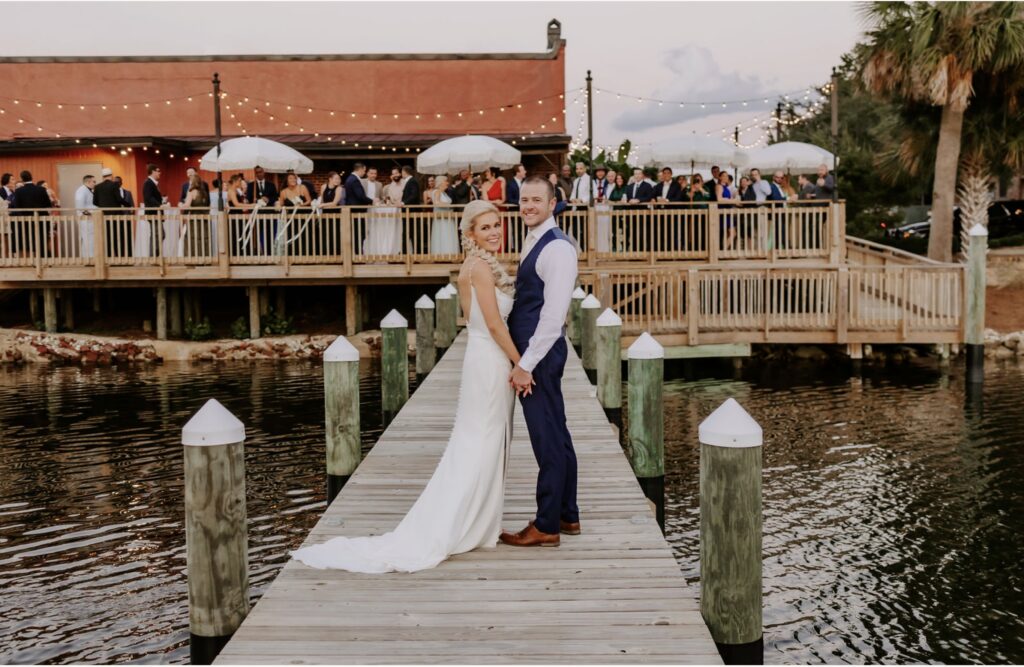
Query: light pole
[834,99]
[590,121]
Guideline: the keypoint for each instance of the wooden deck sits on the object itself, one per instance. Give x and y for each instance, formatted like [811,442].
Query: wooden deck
[611,595]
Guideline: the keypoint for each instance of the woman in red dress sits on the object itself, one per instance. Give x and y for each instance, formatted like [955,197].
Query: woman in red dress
[493,189]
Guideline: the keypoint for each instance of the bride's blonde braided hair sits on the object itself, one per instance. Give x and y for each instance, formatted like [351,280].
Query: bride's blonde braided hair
[473,210]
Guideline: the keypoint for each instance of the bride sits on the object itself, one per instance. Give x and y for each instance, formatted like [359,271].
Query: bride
[460,509]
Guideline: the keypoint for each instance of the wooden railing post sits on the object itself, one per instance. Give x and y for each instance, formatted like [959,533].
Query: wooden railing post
[714,232]
[346,242]
[842,303]
[99,250]
[591,236]
[838,230]
[692,305]
[40,238]
[223,244]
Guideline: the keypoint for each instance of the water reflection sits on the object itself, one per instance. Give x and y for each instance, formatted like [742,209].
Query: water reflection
[92,554]
[892,508]
[892,512]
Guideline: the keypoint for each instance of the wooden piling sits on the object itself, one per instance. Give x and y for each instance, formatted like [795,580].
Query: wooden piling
[279,301]
[647,420]
[426,353]
[394,365]
[50,309]
[188,304]
[730,533]
[341,414]
[455,312]
[216,537]
[574,324]
[444,307]
[589,310]
[33,306]
[609,364]
[974,334]
[254,312]
[352,322]
[161,313]
[67,303]
[97,304]
[264,297]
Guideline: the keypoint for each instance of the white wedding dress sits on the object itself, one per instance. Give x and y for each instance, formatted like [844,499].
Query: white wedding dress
[460,509]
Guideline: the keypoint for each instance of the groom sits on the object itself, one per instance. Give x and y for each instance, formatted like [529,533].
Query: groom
[544,285]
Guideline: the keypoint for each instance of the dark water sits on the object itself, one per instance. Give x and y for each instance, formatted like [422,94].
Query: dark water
[893,513]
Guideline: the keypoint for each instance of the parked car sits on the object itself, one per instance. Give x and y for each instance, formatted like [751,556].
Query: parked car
[1005,218]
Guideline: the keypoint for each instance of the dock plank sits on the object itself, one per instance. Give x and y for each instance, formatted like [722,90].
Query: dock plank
[614,594]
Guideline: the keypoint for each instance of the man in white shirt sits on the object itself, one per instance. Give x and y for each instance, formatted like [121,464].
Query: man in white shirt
[544,286]
[581,186]
[393,190]
[83,205]
[372,186]
[761,188]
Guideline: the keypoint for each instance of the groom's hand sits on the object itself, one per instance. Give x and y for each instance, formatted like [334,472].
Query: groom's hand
[521,380]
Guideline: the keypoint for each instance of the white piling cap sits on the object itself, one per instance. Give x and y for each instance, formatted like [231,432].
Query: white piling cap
[443,293]
[590,302]
[645,347]
[452,289]
[609,319]
[978,230]
[394,320]
[578,293]
[341,350]
[424,303]
[212,425]
[730,426]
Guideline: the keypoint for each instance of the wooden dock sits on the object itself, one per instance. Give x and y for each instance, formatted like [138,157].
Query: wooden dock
[614,594]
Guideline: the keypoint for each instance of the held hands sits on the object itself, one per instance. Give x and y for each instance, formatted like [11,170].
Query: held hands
[521,381]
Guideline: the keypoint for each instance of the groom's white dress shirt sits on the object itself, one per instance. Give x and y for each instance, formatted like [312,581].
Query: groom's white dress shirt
[557,267]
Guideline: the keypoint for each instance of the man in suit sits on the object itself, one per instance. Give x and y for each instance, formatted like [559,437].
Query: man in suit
[152,198]
[513,184]
[462,191]
[355,194]
[565,180]
[582,187]
[107,194]
[639,191]
[411,195]
[189,173]
[667,190]
[127,201]
[32,196]
[261,188]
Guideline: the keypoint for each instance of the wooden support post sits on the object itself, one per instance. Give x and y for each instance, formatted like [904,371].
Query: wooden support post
[455,311]
[590,308]
[692,306]
[647,420]
[351,310]
[33,306]
[161,313]
[197,304]
[341,414]
[50,309]
[254,312]
[96,300]
[444,308]
[426,353]
[394,364]
[609,364]
[279,301]
[67,303]
[216,536]
[974,334]
[730,533]
[174,303]
[575,324]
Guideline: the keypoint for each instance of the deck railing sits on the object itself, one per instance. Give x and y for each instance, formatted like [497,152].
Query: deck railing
[843,303]
[629,234]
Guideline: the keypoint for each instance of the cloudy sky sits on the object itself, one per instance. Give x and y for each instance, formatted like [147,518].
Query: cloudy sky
[674,51]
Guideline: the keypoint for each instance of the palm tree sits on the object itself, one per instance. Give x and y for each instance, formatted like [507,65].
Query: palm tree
[932,53]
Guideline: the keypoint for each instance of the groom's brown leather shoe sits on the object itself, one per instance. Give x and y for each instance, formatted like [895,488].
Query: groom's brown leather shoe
[567,528]
[531,537]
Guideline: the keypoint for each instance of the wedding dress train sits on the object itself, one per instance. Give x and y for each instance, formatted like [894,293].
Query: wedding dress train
[461,507]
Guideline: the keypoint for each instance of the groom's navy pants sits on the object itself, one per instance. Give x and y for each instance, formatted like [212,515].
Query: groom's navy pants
[544,411]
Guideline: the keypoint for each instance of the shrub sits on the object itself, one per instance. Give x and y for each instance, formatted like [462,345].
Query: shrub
[272,324]
[198,330]
[240,328]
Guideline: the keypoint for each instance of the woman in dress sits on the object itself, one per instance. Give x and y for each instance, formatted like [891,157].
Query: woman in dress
[293,201]
[619,191]
[429,192]
[330,192]
[461,507]
[725,195]
[494,187]
[197,201]
[444,239]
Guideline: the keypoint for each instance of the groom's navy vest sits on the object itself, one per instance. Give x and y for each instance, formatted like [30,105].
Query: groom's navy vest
[525,315]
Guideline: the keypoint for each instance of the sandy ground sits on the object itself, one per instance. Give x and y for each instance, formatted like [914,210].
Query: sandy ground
[1004,309]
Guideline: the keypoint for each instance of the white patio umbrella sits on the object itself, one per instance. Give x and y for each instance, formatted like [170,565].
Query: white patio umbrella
[790,156]
[698,150]
[249,152]
[473,151]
